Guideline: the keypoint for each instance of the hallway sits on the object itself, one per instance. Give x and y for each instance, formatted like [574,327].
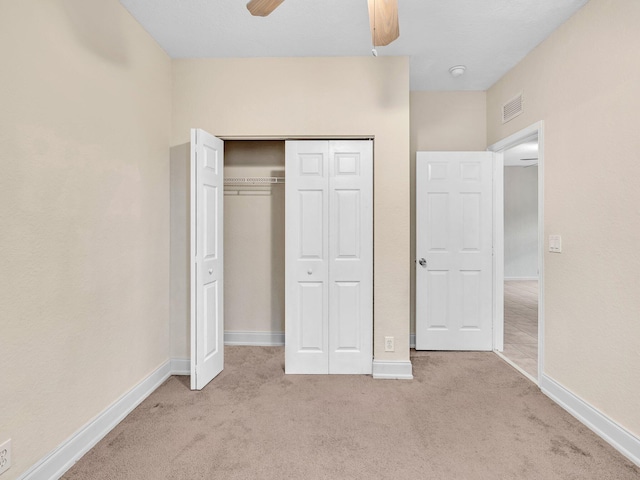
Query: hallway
[521,324]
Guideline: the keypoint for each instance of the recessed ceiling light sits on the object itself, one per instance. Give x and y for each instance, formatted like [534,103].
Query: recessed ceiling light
[457,70]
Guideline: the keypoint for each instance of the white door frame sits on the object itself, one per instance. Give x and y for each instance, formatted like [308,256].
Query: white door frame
[498,237]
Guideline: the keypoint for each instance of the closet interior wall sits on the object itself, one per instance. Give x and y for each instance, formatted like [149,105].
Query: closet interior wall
[254,239]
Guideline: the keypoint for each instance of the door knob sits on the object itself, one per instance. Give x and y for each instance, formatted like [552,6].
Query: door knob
[211,271]
[423,263]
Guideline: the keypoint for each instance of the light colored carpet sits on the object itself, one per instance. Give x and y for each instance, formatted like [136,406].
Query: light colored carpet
[464,416]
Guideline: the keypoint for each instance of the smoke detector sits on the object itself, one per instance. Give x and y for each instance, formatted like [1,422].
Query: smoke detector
[457,71]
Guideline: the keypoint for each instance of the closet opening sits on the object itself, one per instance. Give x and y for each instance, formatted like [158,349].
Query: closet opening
[254,242]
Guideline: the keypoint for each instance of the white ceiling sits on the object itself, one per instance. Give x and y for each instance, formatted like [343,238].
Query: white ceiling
[488,36]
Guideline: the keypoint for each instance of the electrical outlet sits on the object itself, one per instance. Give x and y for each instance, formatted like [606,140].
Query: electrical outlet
[5,456]
[388,344]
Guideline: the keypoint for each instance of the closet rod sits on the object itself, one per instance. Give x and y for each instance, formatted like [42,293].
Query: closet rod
[253,180]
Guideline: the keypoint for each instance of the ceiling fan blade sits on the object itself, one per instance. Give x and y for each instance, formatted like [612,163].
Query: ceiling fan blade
[262,8]
[383,20]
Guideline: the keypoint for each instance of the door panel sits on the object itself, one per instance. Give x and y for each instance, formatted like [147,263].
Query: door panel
[347,224]
[311,221]
[348,311]
[311,295]
[207,191]
[438,212]
[471,294]
[210,311]
[454,235]
[437,315]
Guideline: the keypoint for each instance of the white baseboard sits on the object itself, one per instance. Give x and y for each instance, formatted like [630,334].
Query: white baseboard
[393,370]
[519,279]
[619,438]
[263,339]
[180,366]
[61,459]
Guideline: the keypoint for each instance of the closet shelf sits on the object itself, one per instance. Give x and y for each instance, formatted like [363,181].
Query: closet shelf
[253,180]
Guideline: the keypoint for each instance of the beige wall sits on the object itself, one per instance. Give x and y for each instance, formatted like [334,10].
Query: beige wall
[180,303]
[583,82]
[442,121]
[328,97]
[84,138]
[254,239]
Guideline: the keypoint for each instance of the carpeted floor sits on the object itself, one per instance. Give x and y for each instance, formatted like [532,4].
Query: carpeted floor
[464,416]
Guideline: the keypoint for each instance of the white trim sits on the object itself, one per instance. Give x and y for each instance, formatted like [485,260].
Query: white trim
[610,431]
[517,138]
[541,324]
[263,339]
[192,255]
[63,457]
[180,366]
[391,369]
[498,251]
[520,279]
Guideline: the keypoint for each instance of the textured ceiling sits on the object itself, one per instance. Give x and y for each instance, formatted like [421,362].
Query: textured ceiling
[488,36]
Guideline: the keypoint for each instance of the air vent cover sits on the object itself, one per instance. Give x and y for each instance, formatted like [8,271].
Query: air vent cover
[512,109]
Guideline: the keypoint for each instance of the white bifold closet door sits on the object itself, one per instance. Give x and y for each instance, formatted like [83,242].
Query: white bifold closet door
[207,262]
[329,257]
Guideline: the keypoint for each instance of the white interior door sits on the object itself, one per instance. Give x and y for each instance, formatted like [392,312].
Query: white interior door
[207,194]
[454,242]
[329,257]
[351,257]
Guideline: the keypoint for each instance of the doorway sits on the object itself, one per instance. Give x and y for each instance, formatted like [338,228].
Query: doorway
[518,236]
[521,255]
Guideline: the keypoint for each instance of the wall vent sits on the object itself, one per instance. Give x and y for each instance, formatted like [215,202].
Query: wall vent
[512,108]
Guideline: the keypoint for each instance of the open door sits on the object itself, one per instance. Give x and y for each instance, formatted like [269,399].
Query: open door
[454,246]
[206,258]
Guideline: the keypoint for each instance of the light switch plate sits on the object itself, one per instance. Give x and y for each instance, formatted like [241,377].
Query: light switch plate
[555,243]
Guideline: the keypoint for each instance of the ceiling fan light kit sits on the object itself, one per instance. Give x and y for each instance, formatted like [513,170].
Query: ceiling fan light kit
[383,18]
